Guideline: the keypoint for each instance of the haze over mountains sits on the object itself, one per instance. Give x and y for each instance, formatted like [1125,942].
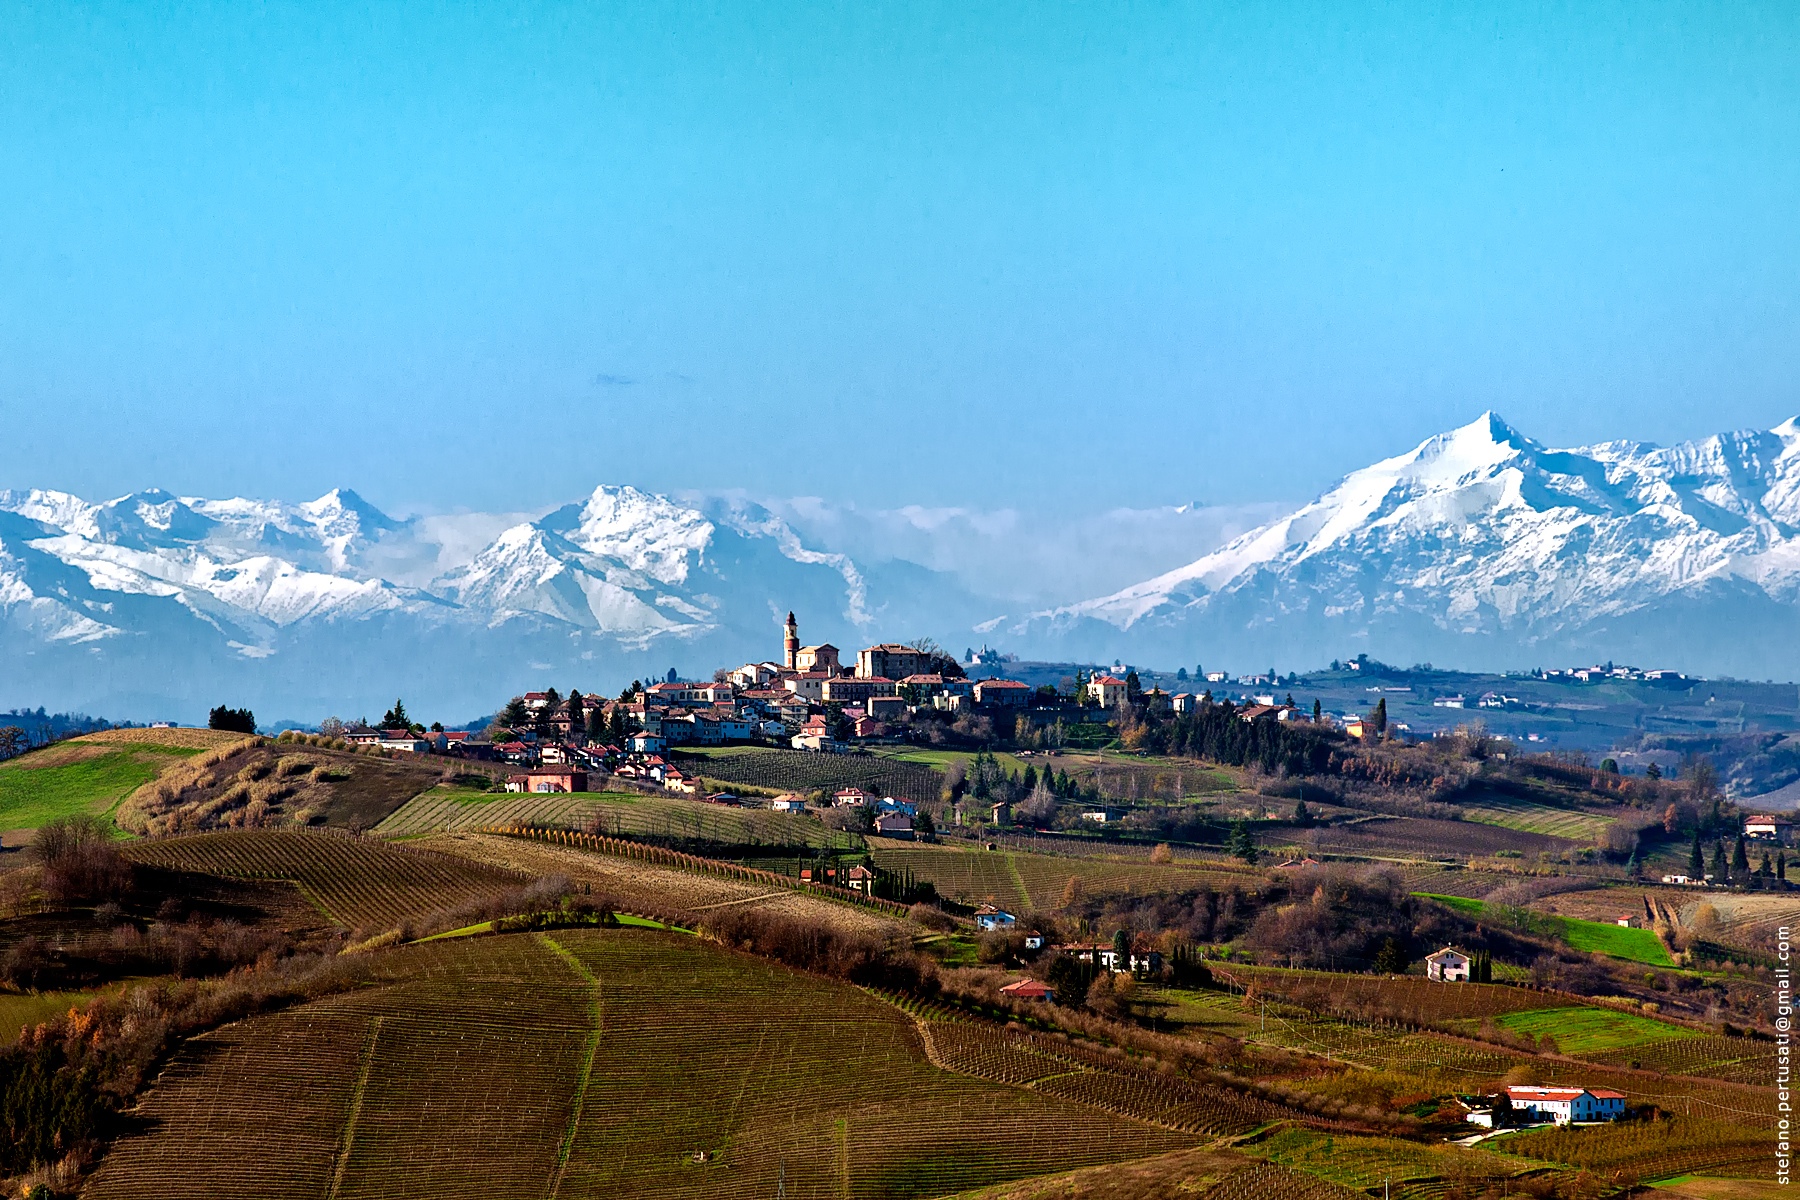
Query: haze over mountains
[1480,548]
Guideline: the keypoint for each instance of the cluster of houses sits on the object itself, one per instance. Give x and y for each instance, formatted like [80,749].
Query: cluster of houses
[1599,673]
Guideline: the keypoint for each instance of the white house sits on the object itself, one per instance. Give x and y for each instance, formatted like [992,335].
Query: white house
[1566,1104]
[1448,965]
[989,917]
[1765,826]
[789,803]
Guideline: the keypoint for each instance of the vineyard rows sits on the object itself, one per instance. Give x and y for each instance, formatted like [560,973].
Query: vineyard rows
[1413,997]
[360,882]
[1055,1066]
[1266,1181]
[620,814]
[714,1074]
[798,771]
[1039,881]
[1734,1059]
[661,856]
[1652,1149]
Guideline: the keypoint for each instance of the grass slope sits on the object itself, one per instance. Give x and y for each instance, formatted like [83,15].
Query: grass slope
[1583,1030]
[1591,937]
[80,776]
[712,1074]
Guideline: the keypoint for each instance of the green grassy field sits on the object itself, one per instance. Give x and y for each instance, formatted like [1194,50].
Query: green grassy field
[939,759]
[591,1063]
[1583,1030]
[1591,937]
[1617,941]
[75,777]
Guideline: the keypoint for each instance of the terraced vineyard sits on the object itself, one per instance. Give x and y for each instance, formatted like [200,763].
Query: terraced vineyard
[549,1065]
[798,771]
[356,882]
[619,814]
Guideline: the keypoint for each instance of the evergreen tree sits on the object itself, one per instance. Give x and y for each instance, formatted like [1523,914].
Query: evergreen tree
[1243,845]
[1720,874]
[1390,959]
[1652,772]
[1696,857]
[1318,711]
[596,723]
[1181,674]
[1740,861]
[396,717]
[577,714]
[1781,865]
[1290,700]
[515,713]
[1029,783]
[1302,817]
[1631,866]
[1132,688]
[1766,868]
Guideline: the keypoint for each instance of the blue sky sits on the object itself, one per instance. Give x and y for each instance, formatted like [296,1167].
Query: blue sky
[489,256]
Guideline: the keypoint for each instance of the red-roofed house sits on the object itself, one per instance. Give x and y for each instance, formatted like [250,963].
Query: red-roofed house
[1003,693]
[1566,1104]
[549,779]
[1030,989]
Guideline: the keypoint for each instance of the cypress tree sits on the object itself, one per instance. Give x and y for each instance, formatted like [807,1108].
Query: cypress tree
[1696,857]
[1740,861]
[1720,874]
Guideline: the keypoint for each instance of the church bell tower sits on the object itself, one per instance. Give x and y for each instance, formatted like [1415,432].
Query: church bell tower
[790,644]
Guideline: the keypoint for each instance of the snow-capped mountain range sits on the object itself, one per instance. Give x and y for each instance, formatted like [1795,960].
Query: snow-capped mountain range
[162,601]
[1482,548]
[1479,548]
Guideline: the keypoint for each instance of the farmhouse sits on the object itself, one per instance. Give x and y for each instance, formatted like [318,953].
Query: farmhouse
[1768,828]
[895,825]
[1030,989]
[788,803]
[1448,965]
[988,917]
[861,879]
[549,779]
[1566,1104]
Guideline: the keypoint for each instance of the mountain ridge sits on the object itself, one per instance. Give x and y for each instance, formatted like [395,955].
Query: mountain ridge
[1482,532]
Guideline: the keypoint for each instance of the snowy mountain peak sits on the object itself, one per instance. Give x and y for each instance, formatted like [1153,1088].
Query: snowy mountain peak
[1480,532]
[648,533]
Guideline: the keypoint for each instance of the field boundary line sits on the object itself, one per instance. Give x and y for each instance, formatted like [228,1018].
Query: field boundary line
[356,1103]
[592,1051]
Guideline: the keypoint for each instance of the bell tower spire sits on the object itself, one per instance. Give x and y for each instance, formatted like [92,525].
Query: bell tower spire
[790,644]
